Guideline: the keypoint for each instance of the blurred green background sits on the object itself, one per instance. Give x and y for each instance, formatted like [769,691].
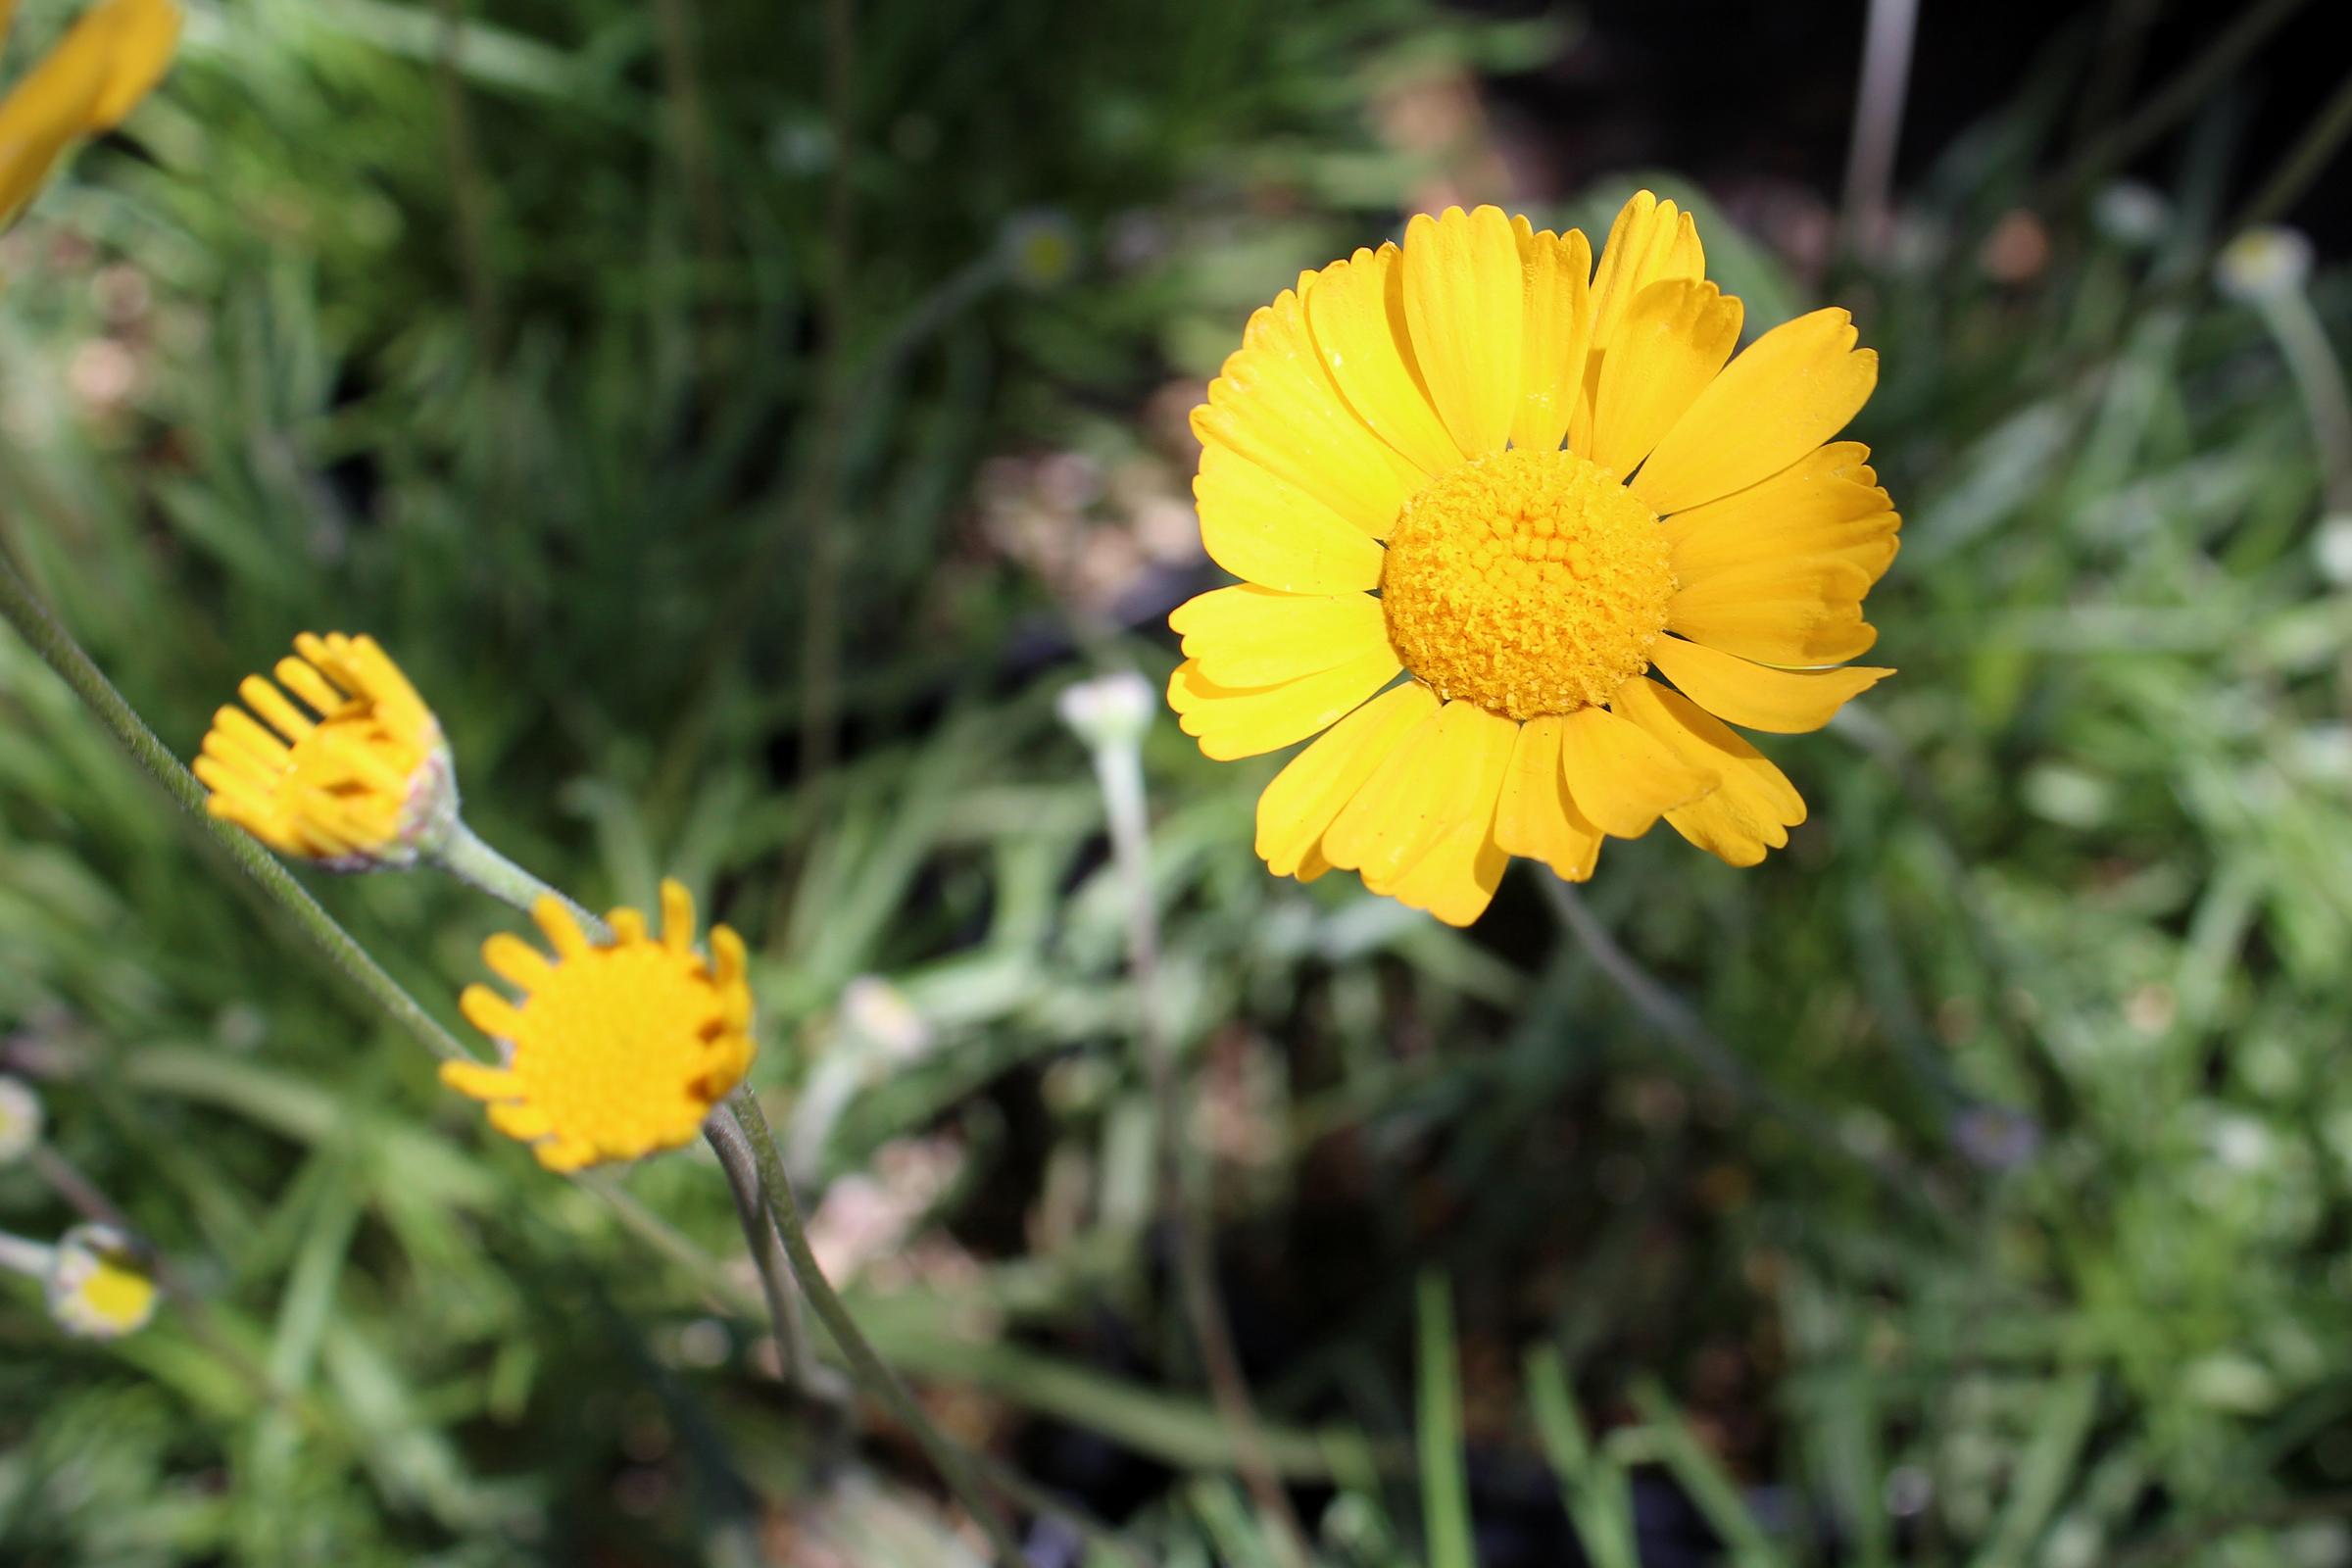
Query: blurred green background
[743,420]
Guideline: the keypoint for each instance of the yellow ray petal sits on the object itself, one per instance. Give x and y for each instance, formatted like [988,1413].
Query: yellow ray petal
[1828,503]
[1356,311]
[473,1079]
[1797,612]
[305,681]
[1311,790]
[1535,816]
[1675,337]
[1462,291]
[1555,331]
[248,736]
[48,109]
[1784,702]
[677,915]
[1754,805]
[140,36]
[521,1120]
[1392,819]
[564,1155]
[1621,778]
[629,926]
[1786,393]
[1455,876]
[728,960]
[1275,405]
[270,703]
[517,962]
[1251,636]
[562,931]
[1243,721]
[1456,879]
[490,1012]
[1269,532]
[1650,242]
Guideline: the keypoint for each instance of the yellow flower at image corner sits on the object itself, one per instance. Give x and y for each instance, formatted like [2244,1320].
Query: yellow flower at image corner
[357,776]
[612,1050]
[1587,537]
[100,1285]
[106,63]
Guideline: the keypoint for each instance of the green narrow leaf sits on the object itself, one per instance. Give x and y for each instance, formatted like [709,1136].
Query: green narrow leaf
[1444,1481]
[1592,1486]
[2044,1470]
[1701,1476]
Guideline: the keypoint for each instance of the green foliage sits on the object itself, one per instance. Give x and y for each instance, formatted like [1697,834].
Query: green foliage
[2012,1232]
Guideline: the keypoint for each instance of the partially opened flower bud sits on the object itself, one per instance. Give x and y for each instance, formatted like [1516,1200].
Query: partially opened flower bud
[1114,709]
[613,1051]
[20,1120]
[2264,264]
[101,1284]
[359,779]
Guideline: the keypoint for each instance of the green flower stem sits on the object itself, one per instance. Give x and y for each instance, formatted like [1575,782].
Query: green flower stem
[1119,773]
[25,1256]
[58,649]
[464,856]
[1702,1049]
[82,1195]
[2302,339]
[776,1285]
[864,1362]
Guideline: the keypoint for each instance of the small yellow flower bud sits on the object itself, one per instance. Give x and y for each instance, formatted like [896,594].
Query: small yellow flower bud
[360,779]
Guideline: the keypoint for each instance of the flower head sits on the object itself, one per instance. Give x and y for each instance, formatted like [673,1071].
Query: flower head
[1552,499]
[611,1049]
[366,782]
[20,1120]
[1041,248]
[95,77]
[2264,264]
[1114,709]
[101,1285]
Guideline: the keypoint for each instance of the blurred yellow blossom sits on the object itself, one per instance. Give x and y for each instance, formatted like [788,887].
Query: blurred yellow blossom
[96,76]
[101,1285]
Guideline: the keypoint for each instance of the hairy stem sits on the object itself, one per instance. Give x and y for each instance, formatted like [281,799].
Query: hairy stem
[24,1256]
[865,1364]
[1118,769]
[464,856]
[776,1285]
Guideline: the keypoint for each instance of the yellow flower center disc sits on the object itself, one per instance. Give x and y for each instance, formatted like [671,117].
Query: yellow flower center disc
[613,1048]
[1527,582]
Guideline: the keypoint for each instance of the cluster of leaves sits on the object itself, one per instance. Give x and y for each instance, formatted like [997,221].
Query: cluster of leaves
[1996,1218]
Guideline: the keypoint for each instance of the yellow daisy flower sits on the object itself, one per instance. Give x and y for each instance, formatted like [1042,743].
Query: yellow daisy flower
[361,779]
[1534,489]
[614,1050]
[96,76]
[101,1285]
